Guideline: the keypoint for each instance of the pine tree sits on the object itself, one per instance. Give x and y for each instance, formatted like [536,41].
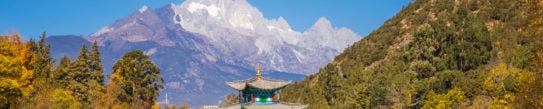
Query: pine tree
[43,62]
[79,73]
[95,64]
[61,74]
[84,76]
[96,78]
[42,67]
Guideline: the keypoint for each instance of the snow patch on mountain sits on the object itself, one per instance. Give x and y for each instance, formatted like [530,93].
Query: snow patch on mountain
[103,30]
[143,9]
[299,56]
[151,51]
[211,9]
[242,19]
[262,47]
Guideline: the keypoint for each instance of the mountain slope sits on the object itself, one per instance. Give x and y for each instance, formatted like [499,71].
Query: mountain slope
[69,47]
[436,54]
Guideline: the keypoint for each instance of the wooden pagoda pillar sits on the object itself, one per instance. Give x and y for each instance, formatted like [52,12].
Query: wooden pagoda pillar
[240,96]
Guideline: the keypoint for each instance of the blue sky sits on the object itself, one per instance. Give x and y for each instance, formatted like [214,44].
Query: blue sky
[83,17]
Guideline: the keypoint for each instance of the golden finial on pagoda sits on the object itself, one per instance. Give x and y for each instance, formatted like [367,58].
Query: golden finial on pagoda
[258,71]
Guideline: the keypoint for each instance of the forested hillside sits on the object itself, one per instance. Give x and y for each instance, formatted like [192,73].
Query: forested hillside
[29,79]
[438,54]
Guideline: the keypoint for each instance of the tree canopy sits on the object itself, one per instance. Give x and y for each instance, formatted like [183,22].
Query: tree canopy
[138,78]
[28,78]
[438,54]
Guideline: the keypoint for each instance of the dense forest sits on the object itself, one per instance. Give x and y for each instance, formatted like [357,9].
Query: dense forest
[29,80]
[438,54]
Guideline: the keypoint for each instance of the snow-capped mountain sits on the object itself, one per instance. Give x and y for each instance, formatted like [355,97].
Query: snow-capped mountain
[201,44]
[235,24]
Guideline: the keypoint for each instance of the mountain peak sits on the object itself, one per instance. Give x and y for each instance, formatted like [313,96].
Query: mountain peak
[208,2]
[143,8]
[235,13]
[322,23]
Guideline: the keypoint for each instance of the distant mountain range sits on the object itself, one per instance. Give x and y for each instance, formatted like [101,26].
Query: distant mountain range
[201,44]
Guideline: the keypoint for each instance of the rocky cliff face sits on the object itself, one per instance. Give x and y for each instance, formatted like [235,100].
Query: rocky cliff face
[200,44]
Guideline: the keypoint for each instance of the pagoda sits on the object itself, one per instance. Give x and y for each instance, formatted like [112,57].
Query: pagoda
[260,93]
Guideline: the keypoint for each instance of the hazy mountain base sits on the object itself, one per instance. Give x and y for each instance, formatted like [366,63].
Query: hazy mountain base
[438,54]
[172,61]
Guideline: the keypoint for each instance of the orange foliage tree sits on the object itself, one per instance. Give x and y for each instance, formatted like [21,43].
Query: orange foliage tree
[15,70]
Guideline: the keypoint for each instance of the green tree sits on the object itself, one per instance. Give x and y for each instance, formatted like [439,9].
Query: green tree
[139,79]
[43,62]
[61,73]
[79,73]
[83,77]
[95,63]
[96,73]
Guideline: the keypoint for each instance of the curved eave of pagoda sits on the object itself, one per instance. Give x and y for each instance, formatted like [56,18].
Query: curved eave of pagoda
[241,84]
[259,83]
[267,88]
[267,84]
[237,85]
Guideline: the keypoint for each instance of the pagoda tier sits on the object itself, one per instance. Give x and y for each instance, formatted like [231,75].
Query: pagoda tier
[258,83]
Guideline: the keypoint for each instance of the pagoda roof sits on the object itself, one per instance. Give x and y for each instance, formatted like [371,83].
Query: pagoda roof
[259,83]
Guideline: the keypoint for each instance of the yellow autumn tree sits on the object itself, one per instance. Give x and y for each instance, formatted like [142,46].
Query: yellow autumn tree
[451,100]
[63,99]
[502,83]
[493,84]
[15,72]
[109,100]
[156,106]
